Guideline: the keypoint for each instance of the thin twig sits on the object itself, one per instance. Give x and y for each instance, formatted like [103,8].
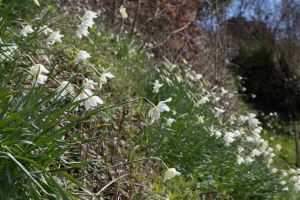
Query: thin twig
[170,35]
[137,13]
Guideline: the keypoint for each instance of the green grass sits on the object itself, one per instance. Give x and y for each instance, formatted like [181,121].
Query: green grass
[286,155]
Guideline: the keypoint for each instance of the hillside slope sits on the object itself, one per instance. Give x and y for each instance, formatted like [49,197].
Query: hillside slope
[86,114]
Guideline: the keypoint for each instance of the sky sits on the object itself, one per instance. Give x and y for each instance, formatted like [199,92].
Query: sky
[268,7]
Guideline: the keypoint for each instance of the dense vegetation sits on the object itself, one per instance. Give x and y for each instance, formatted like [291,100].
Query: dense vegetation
[87,114]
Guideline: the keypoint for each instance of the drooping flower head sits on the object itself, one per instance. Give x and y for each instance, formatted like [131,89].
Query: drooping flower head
[170,173]
[87,22]
[64,89]
[85,94]
[82,30]
[92,102]
[38,69]
[26,30]
[38,72]
[81,56]
[89,15]
[154,113]
[89,84]
[104,77]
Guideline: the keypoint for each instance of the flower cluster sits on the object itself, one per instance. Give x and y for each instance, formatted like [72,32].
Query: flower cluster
[39,73]
[87,22]
[241,133]
[86,96]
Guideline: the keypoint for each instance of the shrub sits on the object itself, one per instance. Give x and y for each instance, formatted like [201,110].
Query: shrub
[272,78]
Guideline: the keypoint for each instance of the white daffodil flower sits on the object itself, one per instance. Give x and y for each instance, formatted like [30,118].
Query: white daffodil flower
[46,30]
[274,170]
[54,37]
[157,86]
[285,189]
[37,71]
[89,84]
[198,77]
[154,113]
[203,100]
[81,56]
[92,102]
[170,121]
[103,78]
[253,121]
[87,22]
[255,153]
[214,132]
[88,100]
[64,89]
[170,173]
[218,112]
[36,2]
[41,79]
[26,30]
[82,30]
[240,160]
[85,94]
[282,182]
[229,138]
[249,160]
[123,12]
[89,15]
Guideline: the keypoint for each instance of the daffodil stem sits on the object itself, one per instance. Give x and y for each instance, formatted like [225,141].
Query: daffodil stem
[95,70]
[27,71]
[144,98]
[30,58]
[127,102]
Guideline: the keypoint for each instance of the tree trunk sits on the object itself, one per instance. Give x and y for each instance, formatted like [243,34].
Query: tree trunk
[296,137]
